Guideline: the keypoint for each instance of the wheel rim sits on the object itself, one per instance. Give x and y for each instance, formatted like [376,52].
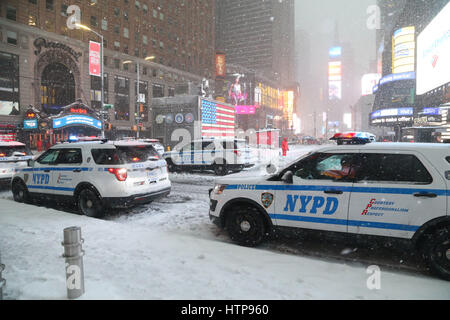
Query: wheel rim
[442,255]
[87,203]
[245,226]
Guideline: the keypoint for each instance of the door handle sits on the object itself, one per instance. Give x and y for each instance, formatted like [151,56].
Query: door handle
[47,170]
[77,170]
[425,195]
[334,192]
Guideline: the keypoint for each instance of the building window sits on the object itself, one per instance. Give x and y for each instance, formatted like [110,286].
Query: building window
[126,33]
[144,39]
[32,1]
[104,24]
[142,100]
[122,98]
[11,13]
[11,37]
[96,91]
[117,63]
[116,45]
[117,29]
[49,4]
[64,8]
[157,90]
[94,22]
[117,12]
[9,84]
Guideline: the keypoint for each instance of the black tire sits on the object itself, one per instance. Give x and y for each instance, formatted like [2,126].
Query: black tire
[436,252]
[220,168]
[245,225]
[20,192]
[90,204]
[171,166]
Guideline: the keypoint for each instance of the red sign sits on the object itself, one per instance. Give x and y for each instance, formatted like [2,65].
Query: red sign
[78,110]
[94,59]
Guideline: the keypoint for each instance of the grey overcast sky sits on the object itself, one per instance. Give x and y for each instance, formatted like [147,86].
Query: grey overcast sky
[319,17]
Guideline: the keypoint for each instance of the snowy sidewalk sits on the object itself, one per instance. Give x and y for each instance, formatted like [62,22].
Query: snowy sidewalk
[133,262]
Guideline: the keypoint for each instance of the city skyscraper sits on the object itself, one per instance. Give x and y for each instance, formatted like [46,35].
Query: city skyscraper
[258,35]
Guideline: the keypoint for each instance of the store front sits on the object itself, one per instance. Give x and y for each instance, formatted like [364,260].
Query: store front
[74,120]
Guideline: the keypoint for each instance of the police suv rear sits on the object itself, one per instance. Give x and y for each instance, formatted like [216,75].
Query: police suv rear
[13,155]
[392,190]
[96,175]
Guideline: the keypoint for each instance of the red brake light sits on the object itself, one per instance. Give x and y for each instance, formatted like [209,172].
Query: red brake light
[136,159]
[120,173]
[236,152]
[2,154]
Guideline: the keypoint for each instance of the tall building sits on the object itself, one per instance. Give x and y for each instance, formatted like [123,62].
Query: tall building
[258,35]
[44,61]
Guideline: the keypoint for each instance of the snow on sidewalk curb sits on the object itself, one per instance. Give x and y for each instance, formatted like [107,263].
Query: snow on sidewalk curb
[132,262]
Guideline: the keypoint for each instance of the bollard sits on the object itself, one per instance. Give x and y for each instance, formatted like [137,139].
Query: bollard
[2,281]
[73,253]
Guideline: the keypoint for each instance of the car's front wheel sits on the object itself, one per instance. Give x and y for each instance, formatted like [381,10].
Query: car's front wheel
[220,168]
[90,204]
[245,225]
[436,252]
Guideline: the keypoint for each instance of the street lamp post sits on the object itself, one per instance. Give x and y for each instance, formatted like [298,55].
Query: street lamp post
[138,117]
[102,110]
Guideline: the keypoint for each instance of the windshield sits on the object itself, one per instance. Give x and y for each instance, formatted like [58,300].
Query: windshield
[125,155]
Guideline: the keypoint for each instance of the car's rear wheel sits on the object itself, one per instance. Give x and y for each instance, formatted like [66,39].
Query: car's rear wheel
[20,192]
[245,225]
[90,204]
[436,251]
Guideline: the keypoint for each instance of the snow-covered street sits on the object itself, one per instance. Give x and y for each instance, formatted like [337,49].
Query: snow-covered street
[170,250]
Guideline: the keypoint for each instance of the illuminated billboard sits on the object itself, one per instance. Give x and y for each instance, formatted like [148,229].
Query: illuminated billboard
[403,50]
[433,59]
[335,80]
[335,52]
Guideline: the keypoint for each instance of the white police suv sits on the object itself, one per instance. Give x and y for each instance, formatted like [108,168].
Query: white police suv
[13,155]
[95,174]
[395,190]
[219,155]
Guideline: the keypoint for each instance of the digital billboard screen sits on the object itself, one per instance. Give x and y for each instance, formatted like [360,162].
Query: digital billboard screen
[433,59]
[404,50]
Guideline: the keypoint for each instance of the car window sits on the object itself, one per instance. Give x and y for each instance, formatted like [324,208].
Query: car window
[106,156]
[395,168]
[135,154]
[8,151]
[70,156]
[327,166]
[448,159]
[49,157]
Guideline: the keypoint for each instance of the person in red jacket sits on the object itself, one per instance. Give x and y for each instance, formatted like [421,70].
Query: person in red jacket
[285,146]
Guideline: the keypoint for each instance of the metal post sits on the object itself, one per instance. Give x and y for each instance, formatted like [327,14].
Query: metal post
[137,103]
[103,90]
[2,281]
[73,254]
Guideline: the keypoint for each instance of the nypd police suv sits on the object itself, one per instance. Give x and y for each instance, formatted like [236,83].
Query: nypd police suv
[220,155]
[395,190]
[13,155]
[95,174]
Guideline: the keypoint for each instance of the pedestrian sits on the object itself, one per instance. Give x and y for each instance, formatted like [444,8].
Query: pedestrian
[285,146]
[39,145]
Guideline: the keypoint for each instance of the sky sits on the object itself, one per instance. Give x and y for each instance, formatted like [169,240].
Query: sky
[315,32]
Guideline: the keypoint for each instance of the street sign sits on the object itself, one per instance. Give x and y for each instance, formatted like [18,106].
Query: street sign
[108,106]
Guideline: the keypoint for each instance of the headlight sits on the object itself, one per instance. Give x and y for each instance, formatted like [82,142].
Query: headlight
[218,188]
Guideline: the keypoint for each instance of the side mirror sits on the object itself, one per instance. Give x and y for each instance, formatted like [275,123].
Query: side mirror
[288,177]
[31,162]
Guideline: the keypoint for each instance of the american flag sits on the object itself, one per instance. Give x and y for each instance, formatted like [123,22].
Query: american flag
[217,119]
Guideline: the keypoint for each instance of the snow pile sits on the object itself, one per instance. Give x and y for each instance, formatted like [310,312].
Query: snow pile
[132,261]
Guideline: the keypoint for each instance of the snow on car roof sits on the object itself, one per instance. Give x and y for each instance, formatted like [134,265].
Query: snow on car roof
[389,146]
[11,144]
